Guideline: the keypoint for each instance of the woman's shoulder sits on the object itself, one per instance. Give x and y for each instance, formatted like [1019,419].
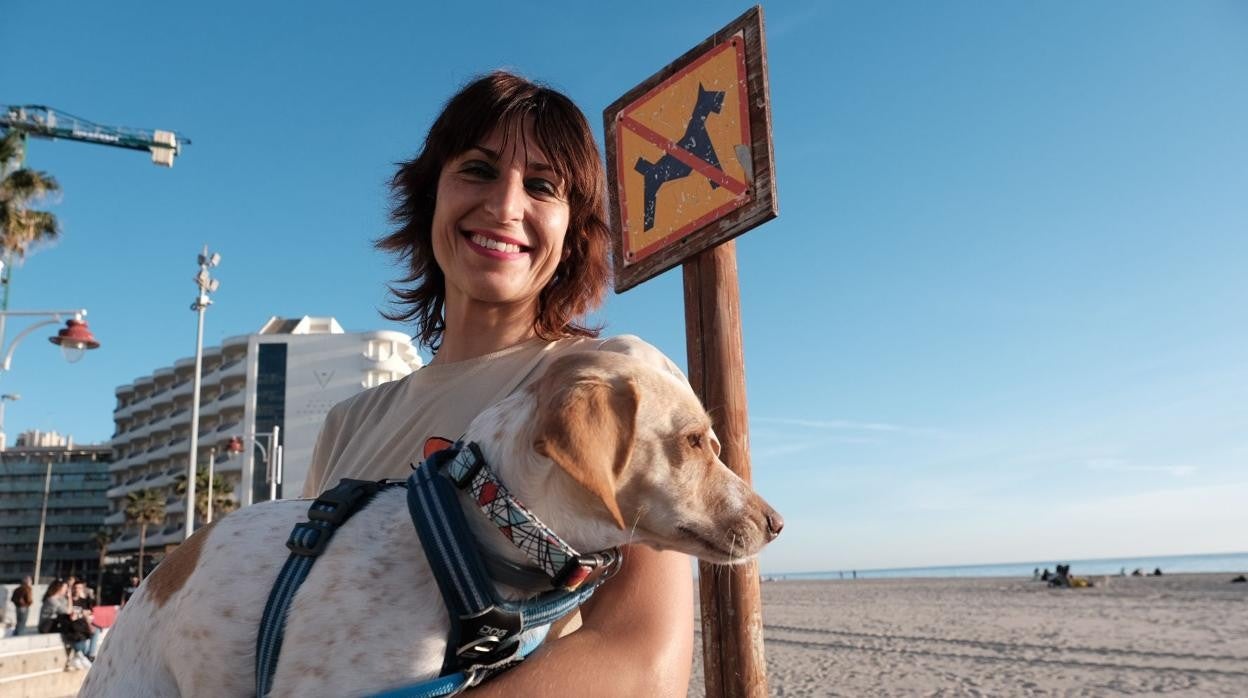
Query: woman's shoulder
[368,400]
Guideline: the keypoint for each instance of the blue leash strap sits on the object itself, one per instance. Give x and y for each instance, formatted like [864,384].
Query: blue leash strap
[485,630]
[306,542]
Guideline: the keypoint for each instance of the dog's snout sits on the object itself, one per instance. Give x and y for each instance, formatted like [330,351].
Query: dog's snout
[775,524]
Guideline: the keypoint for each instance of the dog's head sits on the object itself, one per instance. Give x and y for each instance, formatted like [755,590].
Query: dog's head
[640,443]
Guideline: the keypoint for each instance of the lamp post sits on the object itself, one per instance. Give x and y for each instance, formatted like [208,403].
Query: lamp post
[212,462]
[75,339]
[206,285]
[43,517]
[272,456]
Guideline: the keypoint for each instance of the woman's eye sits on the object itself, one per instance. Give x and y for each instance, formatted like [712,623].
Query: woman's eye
[477,168]
[543,186]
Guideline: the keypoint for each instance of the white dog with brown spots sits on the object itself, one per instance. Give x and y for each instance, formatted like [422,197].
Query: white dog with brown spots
[603,448]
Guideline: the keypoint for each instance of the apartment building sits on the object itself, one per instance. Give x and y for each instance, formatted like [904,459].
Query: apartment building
[286,375]
[75,479]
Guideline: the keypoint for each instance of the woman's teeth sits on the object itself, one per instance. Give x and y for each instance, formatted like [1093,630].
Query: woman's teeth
[492,244]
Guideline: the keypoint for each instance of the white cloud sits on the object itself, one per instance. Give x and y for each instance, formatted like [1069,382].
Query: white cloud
[1123,466]
[848,425]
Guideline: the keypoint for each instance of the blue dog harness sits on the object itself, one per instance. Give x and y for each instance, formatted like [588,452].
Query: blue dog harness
[486,630]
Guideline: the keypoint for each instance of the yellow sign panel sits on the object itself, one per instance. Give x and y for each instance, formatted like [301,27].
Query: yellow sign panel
[683,152]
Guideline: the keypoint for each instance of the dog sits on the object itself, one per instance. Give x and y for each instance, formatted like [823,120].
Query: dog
[603,447]
[696,141]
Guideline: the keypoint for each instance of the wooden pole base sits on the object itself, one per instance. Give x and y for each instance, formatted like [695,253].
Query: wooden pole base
[732,621]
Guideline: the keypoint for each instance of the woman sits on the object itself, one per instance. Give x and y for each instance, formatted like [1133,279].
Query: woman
[502,229]
[55,603]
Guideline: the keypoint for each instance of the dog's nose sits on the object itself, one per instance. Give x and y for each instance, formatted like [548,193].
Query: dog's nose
[775,524]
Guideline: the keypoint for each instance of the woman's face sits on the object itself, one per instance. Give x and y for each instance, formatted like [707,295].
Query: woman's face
[499,221]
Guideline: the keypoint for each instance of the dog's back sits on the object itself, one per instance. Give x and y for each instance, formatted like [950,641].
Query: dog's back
[191,627]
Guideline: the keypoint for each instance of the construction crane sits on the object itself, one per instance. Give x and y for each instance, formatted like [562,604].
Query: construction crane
[45,122]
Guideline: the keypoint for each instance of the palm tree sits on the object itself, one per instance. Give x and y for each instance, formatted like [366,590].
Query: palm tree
[221,491]
[103,538]
[21,228]
[145,508]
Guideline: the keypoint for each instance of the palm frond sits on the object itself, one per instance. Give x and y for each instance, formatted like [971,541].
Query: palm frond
[27,186]
[12,145]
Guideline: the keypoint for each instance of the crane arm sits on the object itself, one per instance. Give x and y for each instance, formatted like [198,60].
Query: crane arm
[45,122]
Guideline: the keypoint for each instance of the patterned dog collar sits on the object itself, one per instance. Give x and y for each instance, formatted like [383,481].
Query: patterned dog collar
[466,468]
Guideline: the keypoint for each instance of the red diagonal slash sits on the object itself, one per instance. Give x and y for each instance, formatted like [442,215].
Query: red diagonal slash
[703,167]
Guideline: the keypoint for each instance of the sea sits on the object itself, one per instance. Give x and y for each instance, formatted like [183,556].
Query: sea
[1168,564]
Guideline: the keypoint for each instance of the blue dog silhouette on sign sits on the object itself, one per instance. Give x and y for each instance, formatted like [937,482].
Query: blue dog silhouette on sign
[695,140]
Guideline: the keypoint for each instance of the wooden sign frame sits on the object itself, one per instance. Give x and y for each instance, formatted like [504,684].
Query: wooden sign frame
[762,205]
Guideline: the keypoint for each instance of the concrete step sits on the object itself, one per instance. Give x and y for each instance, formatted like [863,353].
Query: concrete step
[31,662]
[33,666]
[56,684]
[30,654]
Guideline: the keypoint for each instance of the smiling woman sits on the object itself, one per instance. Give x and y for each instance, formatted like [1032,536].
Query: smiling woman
[511,162]
[501,229]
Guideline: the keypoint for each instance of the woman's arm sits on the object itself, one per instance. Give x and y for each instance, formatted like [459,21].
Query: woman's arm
[636,637]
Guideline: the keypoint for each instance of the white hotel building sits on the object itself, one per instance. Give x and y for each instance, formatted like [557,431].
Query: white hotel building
[288,375]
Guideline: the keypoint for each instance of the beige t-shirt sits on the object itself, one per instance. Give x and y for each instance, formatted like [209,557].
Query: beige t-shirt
[381,432]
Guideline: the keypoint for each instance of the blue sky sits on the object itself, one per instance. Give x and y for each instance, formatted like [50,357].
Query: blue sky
[1001,315]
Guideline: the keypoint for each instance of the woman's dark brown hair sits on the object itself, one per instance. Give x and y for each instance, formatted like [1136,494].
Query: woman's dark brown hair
[499,99]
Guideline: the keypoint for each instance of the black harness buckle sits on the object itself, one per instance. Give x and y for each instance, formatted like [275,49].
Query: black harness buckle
[488,637]
[344,499]
[310,538]
[327,513]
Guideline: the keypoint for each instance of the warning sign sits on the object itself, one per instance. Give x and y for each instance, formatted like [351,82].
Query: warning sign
[682,152]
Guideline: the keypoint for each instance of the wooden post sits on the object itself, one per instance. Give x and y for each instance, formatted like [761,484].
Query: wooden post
[732,621]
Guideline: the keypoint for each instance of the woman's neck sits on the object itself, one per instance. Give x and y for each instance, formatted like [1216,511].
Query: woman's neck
[477,329]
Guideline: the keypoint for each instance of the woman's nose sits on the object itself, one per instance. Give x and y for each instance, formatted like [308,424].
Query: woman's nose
[507,198]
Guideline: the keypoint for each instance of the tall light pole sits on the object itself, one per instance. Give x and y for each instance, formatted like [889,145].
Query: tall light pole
[212,463]
[272,456]
[7,397]
[43,517]
[206,285]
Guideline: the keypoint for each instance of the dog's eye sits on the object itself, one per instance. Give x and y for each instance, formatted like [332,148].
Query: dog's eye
[695,440]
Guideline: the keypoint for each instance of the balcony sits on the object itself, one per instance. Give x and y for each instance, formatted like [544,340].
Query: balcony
[210,409]
[124,412]
[115,519]
[140,432]
[230,427]
[185,387]
[234,368]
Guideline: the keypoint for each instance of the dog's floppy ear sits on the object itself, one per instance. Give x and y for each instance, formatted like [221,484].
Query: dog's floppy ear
[587,429]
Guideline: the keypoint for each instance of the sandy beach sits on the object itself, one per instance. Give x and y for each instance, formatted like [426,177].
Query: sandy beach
[1177,635]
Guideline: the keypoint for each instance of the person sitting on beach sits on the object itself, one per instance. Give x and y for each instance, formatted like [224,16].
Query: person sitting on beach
[1157,572]
[1046,575]
[1062,578]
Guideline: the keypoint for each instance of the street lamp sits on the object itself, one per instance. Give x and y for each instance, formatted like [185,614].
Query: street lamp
[74,339]
[272,456]
[206,285]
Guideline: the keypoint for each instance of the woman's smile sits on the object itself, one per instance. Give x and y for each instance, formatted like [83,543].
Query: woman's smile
[495,246]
